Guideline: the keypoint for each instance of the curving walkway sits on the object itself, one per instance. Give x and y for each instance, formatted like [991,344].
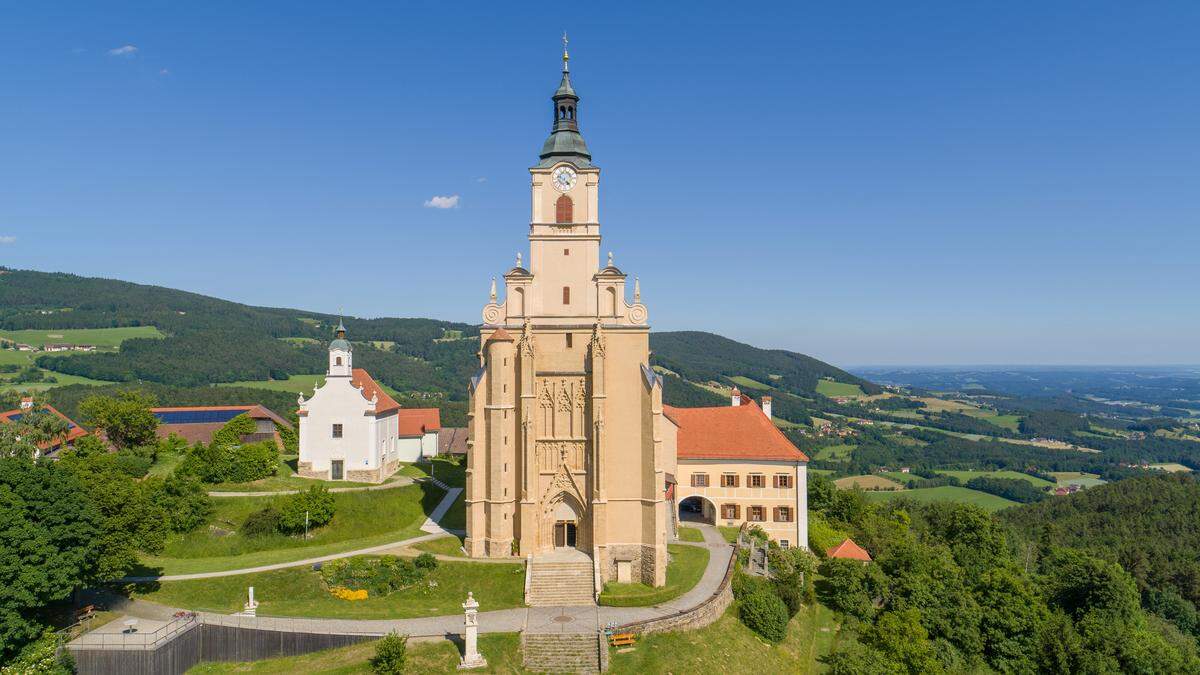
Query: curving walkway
[582,619]
[435,530]
[398,482]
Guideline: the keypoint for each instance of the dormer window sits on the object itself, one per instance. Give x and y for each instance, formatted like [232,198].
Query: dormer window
[564,210]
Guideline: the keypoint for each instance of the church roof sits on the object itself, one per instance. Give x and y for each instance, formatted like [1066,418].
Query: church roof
[418,421]
[371,389]
[848,550]
[501,335]
[565,143]
[730,432]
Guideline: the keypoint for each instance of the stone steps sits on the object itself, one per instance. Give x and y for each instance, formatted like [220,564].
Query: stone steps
[553,584]
[561,652]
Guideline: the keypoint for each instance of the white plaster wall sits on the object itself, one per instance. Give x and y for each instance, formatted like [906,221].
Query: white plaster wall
[339,402]
[409,448]
[429,444]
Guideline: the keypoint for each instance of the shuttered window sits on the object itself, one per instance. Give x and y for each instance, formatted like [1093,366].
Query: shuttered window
[783,514]
[730,480]
[564,210]
[756,514]
[729,511]
[782,480]
[756,480]
[699,480]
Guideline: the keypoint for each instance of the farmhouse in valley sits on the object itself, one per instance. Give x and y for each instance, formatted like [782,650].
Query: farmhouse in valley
[351,429]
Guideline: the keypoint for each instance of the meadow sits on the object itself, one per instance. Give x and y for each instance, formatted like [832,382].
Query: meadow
[965,476]
[867,482]
[831,389]
[361,519]
[947,493]
[100,337]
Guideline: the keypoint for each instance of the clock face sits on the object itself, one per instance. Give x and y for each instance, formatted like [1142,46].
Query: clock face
[564,178]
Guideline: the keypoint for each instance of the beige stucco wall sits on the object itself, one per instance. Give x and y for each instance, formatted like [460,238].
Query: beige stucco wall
[795,533]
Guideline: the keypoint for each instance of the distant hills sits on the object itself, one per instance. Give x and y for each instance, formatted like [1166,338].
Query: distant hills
[209,341]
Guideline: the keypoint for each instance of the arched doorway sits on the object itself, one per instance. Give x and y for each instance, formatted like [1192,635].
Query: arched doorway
[564,524]
[697,509]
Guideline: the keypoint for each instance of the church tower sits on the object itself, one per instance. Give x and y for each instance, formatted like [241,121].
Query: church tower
[341,354]
[566,423]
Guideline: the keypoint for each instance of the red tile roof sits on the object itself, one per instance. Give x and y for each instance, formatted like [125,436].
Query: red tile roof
[418,421]
[257,412]
[370,389]
[501,335]
[730,432]
[849,550]
[73,432]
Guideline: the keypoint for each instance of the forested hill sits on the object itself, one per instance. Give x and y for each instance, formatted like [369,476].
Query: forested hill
[703,357]
[424,358]
[1150,525]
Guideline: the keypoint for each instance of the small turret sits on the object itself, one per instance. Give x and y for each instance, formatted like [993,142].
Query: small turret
[341,353]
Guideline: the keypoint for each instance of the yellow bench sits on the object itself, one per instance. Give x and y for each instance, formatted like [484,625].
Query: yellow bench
[623,639]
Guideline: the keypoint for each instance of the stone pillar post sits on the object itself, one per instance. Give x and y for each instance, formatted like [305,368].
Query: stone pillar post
[471,657]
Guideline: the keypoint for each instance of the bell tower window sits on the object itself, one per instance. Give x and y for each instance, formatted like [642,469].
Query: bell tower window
[337,361]
[564,210]
[566,295]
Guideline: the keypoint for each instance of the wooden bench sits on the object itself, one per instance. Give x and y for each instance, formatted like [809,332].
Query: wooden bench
[623,639]
[85,612]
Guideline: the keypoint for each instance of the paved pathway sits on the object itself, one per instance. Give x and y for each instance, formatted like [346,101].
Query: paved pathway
[438,512]
[583,619]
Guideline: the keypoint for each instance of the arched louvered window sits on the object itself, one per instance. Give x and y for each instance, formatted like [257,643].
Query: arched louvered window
[564,210]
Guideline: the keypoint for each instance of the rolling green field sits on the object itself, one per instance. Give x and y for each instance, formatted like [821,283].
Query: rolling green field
[830,388]
[299,591]
[100,337]
[965,476]
[747,383]
[1076,478]
[362,519]
[947,493]
[867,482]
[683,573]
[297,384]
[836,453]
[60,380]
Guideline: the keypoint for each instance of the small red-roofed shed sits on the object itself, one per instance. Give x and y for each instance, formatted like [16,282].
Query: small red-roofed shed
[849,551]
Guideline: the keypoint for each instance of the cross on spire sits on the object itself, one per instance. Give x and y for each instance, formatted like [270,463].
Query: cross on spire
[566,56]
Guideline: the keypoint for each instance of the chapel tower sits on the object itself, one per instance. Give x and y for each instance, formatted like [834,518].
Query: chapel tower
[565,451]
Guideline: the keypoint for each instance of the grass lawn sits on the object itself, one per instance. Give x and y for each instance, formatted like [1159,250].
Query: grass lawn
[830,388]
[730,647]
[502,651]
[867,482]
[1170,468]
[361,519]
[947,493]
[683,573]
[730,533]
[100,337]
[965,476]
[835,453]
[14,357]
[747,383]
[898,476]
[690,534]
[443,546]
[299,591]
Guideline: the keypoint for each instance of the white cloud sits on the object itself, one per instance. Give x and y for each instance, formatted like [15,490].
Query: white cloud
[164,72]
[8,239]
[436,202]
[125,50]
[481,179]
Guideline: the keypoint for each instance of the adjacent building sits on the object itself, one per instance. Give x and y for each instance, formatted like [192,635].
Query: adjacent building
[351,429]
[197,424]
[734,466]
[48,448]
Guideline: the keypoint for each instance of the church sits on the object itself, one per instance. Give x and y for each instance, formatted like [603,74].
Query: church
[570,449]
[351,429]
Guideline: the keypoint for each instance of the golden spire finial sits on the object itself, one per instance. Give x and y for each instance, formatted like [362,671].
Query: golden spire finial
[566,56]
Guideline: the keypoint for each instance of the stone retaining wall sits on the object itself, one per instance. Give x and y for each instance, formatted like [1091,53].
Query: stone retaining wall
[701,615]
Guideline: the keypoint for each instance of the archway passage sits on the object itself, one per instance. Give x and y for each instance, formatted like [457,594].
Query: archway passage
[696,509]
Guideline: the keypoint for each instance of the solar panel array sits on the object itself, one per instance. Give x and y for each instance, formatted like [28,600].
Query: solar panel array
[197,416]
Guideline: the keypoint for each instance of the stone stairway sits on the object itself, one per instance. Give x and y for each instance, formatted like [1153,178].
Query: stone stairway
[561,584]
[561,652]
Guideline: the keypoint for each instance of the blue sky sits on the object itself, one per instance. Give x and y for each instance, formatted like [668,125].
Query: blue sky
[868,183]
